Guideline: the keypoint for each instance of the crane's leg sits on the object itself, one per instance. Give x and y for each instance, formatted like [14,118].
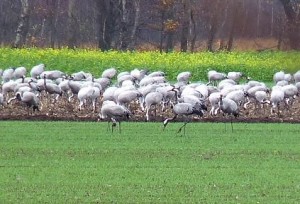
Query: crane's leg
[180,129]
[147,113]
[186,121]
[231,124]
[114,124]
[120,127]
[108,127]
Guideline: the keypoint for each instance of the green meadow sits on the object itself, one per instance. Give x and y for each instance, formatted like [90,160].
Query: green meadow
[257,65]
[83,162]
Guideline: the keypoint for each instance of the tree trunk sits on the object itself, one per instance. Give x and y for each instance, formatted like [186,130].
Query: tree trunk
[106,24]
[135,24]
[291,9]
[23,26]
[170,31]
[211,35]
[72,24]
[123,40]
[170,43]
[162,32]
[185,25]
[55,6]
[194,35]
[236,6]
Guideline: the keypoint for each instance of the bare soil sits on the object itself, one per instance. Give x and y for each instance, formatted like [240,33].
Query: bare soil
[65,111]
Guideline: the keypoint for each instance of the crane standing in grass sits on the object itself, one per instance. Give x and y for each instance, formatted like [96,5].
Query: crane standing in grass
[185,109]
[115,113]
[229,107]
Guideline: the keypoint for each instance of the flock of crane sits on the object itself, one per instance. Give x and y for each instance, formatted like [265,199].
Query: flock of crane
[118,96]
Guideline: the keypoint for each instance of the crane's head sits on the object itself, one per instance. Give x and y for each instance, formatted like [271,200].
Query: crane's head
[18,96]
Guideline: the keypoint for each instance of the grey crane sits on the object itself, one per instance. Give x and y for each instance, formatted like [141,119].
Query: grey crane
[30,99]
[185,109]
[296,76]
[79,76]
[104,82]
[19,72]
[229,107]
[214,76]
[37,70]
[75,86]
[236,76]
[152,99]
[277,97]
[1,100]
[126,97]
[53,74]
[52,88]
[7,74]
[114,113]
[88,92]
[109,73]
[184,76]
[278,76]
[8,87]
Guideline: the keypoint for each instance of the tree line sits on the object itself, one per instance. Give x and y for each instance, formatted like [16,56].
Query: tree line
[163,25]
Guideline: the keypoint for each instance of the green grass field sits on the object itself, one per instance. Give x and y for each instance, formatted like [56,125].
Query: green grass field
[81,162]
[257,65]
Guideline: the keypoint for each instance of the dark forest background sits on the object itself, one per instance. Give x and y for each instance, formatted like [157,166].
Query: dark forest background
[165,25]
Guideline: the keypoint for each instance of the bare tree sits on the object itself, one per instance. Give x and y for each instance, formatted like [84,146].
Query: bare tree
[185,25]
[292,12]
[124,24]
[23,26]
[137,11]
[214,21]
[53,19]
[72,24]
[106,20]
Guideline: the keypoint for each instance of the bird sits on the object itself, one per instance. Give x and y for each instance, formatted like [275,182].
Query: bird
[1,100]
[277,96]
[152,99]
[261,98]
[37,70]
[52,88]
[238,96]
[30,99]
[296,76]
[19,72]
[185,109]
[114,113]
[109,73]
[236,76]
[8,87]
[184,76]
[214,76]
[214,99]
[278,76]
[104,82]
[74,86]
[88,92]
[229,107]
[7,74]
[53,74]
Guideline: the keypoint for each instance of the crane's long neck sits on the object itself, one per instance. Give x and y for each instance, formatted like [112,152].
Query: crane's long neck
[44,81]
[166,121]
[176,95]
[30,85]
[221,100]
